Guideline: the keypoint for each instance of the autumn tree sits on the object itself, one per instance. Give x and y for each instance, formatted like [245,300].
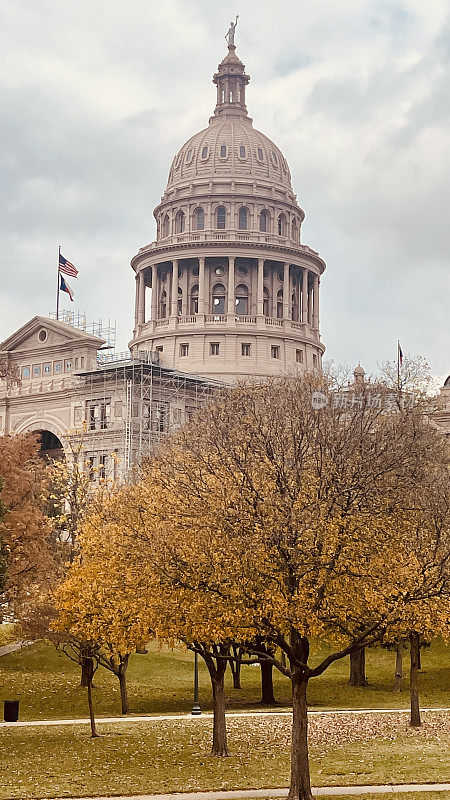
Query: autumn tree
[267,518]
[24,531]
[9,372]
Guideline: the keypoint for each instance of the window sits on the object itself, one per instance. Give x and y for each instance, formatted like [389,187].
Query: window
[266,302]
[102,466]
[160,416]
[280,304]
[299,356]
[47,369]
[314,360]
[245,349]
[260,154]
[91,468]
[42,335]
[218,299]
[243,218]
[165,226]
[193,308]
[184,350]
[275,351]
[188,155]
[36,370]
[223,151]
[180,302]
[199,219]
[241,300]
[159,351]
[58,366]
[68,365]
[263,221]
[242,153]
[214,348]
[295,230]
[163,305]
[25,372]
[205,152]
[179,222]
[99,414]
[274,158]
[221,217]
[281,225]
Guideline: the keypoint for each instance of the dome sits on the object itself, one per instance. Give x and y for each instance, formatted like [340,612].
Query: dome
[230,146]
[447,383]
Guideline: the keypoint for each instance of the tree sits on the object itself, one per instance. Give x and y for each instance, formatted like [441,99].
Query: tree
[273,519]
[9,372]
[24,531]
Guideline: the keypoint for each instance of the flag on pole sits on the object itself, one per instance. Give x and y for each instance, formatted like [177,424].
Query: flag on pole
[400,354]
[67,267]
[64,287]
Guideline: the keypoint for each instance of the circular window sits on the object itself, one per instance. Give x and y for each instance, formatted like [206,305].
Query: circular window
[219,271]
[42,335]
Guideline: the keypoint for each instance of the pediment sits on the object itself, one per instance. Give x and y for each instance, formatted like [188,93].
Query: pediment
[41,333]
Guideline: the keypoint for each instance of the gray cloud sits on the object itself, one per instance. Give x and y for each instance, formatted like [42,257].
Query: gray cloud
[97,98]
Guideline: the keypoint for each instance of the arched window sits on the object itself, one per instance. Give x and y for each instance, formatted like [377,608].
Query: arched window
[260,154]
[221,216]
[205,151]
[243,219]
[165,226]
[266,302]
[199,219]
[223,151]
[218,299]
[180,301]
[264,221]
[163,305]
[280,304]
[281,225]
[193,306]
[179,222]
[242,151]
[295,230]
[294,307]
[241,300]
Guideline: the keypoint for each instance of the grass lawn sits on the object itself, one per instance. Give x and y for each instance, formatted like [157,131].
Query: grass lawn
[157,756]
[8,633]
[47,683]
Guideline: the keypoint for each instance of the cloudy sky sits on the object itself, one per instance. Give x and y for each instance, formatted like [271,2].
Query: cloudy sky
[97,96]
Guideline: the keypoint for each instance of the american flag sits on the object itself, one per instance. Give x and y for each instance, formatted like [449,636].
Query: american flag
[67,267]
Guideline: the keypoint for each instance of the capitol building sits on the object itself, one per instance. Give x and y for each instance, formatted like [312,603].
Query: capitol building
[228,291]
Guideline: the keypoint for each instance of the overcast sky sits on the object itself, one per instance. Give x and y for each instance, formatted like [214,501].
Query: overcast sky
[97,96]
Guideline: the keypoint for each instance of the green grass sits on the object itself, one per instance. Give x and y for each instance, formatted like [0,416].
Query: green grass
[156,757]
[8,633]
[47,683]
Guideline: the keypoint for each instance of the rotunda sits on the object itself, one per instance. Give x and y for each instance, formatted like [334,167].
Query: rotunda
[234,292]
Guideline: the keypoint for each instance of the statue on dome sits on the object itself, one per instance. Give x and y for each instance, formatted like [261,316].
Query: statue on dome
[230,35]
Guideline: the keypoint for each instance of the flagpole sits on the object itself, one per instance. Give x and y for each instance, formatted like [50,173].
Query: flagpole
[57,289]
[398,364]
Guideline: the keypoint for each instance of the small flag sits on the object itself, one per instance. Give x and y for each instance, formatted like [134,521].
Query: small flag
[64,286]
[400,354]
[67,267]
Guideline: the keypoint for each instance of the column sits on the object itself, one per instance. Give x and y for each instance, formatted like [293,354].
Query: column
[305,296]
[154,291]
[174,302]
[231,287]
[136,303]
[286,292]
[201,285]
[316,303]
[260,289]
[141,302]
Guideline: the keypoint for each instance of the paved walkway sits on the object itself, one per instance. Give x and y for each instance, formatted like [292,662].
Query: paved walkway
[11,648]
[256,794]
[209,715]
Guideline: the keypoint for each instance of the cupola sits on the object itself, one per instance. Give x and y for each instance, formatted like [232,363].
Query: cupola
[231,81]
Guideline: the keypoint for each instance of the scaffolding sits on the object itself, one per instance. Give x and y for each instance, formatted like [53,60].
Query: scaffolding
[129,404]
[102,329]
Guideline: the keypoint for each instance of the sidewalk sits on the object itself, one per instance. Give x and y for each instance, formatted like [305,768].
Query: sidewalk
[11,648]
[208,715]
[257,794]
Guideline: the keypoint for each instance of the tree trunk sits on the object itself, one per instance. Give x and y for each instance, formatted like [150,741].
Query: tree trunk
[219,745]
[267,695]
[399,665]
[123,687]
[358,668]
[91,711]
[414,639]
[300,788]
[235,667]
